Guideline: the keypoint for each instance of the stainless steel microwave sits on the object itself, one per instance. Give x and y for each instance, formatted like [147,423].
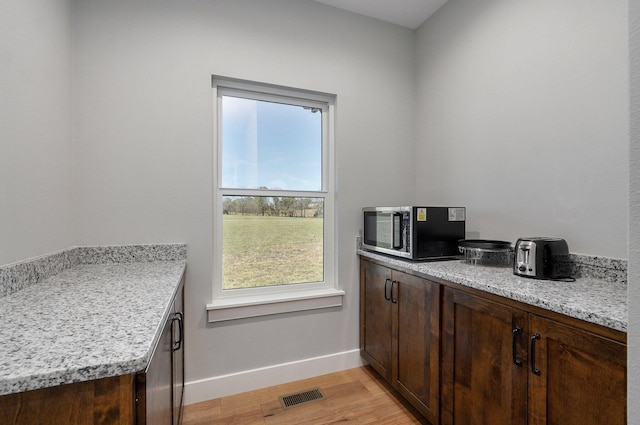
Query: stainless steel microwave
[417,233]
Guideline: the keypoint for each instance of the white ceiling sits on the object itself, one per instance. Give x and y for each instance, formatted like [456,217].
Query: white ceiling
[407,13]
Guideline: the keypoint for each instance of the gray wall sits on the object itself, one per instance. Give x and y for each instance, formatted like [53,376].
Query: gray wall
[519,94]
[36,157]
[143,133]
[633,354]
[523,118]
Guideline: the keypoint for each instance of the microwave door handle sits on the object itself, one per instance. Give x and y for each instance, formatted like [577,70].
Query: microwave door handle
[397,231]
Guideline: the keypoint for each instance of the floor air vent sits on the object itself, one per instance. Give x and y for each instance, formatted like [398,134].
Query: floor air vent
[303,397]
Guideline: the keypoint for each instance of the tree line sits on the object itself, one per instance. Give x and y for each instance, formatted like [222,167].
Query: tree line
[278,206]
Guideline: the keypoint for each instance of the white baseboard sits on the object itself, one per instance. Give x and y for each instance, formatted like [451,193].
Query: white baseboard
[235,383]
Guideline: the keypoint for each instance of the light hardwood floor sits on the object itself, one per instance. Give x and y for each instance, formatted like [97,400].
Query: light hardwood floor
[355,396]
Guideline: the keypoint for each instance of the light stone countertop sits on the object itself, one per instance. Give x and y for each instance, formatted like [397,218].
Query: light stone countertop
[593,300]
[86,322]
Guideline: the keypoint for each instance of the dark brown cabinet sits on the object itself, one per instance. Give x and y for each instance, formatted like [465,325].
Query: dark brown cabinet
[107,401]
[502,365]
[152,397]
[375,317]
[482,382]
[178,356]
[580,377]
[159,389]
[465,357]
[154,386]
[400,333]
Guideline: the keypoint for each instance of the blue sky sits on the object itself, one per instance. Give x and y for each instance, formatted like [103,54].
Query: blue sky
[270,144]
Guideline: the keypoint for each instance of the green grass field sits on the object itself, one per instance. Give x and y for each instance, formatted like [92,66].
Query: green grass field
[267,251]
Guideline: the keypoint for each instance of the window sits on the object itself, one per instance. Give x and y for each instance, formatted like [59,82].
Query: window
[274,200]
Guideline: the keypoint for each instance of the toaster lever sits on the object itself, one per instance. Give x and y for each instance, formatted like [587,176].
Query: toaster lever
[525,252]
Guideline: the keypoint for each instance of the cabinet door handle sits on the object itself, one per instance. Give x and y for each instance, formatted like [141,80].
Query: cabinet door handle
[177,343]
[534,369]
[393,300]
[387,280]
[514,345]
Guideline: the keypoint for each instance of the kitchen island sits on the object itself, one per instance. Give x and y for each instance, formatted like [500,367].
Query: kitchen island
[86,315]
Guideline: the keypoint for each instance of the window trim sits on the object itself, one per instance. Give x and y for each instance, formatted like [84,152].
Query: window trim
[252,302]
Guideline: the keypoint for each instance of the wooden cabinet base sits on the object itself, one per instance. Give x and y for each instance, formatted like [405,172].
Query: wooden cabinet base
[530,369]
[481,384]
[499,361]
[580,379]
[105,401]
[400,333]
[151,397]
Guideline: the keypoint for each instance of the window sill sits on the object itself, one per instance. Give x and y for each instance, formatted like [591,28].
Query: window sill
[221,310]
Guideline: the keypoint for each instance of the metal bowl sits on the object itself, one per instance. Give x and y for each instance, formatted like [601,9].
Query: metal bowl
[486,252]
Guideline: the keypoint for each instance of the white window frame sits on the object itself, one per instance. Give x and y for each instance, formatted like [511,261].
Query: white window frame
[251,302]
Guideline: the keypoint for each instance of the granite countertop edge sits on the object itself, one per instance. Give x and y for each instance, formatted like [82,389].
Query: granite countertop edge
[590,299]
[97,317]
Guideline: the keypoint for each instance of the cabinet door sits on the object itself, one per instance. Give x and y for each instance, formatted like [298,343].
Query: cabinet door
[375,317]
[155,385]
[580,377]
[178,357]
[416,345]
[481,383]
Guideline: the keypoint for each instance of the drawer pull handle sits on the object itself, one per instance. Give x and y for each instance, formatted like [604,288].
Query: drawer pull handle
[177,343]
[393,300]
[387,280]
[514,345]
[534,369]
